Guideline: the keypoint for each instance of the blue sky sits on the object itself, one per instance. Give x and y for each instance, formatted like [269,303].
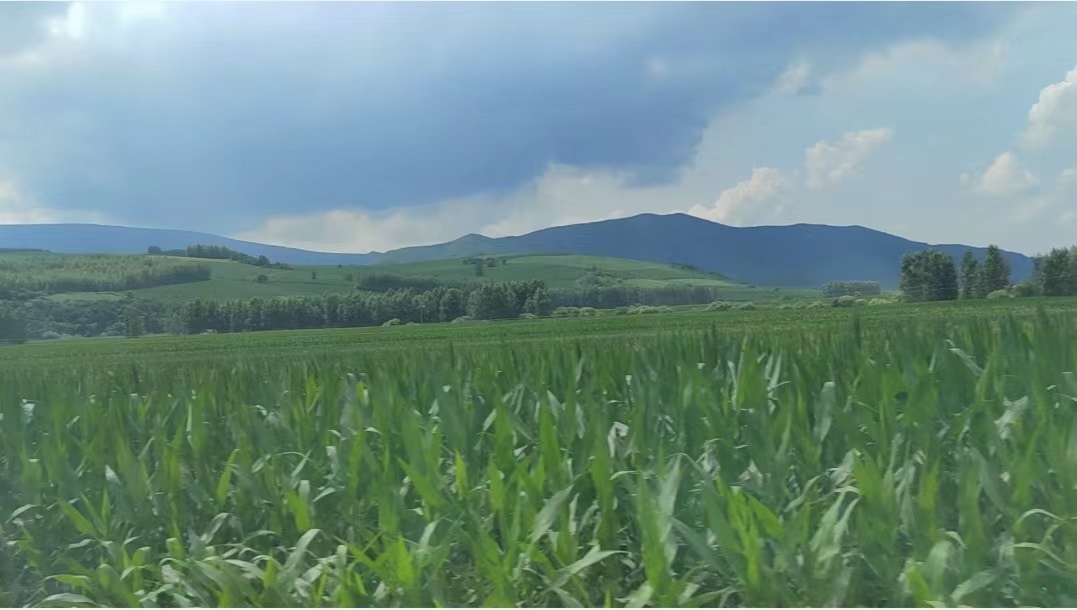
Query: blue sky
[364,126]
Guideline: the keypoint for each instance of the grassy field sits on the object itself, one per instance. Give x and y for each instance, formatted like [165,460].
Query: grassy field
[562,271]
[232,280]
[891,455]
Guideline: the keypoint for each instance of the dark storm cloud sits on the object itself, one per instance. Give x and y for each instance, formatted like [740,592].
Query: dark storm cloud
[247,109]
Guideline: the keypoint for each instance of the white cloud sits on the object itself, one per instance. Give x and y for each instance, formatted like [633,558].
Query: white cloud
[794,80]
[828,163]
[562,195]
[764,190]
[1056,111]
[1003,178]
[932,63]
[17,208]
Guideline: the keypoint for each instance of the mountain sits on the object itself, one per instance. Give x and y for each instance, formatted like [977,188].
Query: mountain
[793,255]
[107,239]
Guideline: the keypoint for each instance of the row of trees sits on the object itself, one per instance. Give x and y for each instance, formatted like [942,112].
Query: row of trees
[218,253]
[852,288]
[384,282]
[24,277]
[931,275]
[442,304]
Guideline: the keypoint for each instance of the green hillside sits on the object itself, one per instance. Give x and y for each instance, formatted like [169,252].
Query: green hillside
[232,280]
[560,270]
[235,280]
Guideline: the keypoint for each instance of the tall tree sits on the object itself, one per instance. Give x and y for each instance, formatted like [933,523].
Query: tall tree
[1054,273]
[971,280]
[928,276]
[996,271]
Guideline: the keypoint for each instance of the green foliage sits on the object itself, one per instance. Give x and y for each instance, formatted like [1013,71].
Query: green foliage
[915,456]
[24,276]
[972,279]
[1056,272]
[928,276]
[376,281]
[12,324]
[134,322]
[844,301]
[996,271]
[262,278]
[227,254]
[851,288]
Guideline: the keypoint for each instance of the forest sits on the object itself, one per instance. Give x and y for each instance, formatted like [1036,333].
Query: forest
[24,276]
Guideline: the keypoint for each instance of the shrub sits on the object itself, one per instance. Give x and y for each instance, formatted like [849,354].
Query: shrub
[747,306]
[393,322]
[528,316]
[719,306]
[844,301]
[1000,294]
[262,278]
[1026,289]
[462,319]
[566,312]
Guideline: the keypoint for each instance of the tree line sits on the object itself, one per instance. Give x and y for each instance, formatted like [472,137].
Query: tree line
[1055,274]
[24,277]
[851,288]
[442,304]
[931,275]
[218,253]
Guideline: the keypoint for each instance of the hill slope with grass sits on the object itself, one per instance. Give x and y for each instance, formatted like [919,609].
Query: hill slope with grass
[234,280]
[796,255]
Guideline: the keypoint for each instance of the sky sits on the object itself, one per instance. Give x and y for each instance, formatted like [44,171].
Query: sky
[356,127]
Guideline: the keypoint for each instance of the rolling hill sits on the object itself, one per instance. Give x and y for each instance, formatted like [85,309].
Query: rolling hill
[795,255]
[232,280]
[108,239]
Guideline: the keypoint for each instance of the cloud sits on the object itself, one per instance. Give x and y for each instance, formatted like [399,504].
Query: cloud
[562,195]
[1055,112]
[828,163]
[797,80]
[1003,178]
[17,208]
[764,190]
[167,114]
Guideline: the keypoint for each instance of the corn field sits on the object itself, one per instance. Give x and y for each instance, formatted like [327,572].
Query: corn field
[848,464]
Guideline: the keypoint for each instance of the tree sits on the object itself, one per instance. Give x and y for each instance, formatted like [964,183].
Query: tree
[133,322]
[262,278]
[944,277]
[453,305]
[1054,274]
[479,265]
[928,276]
[971,278]
[314,275]
[12,325]
[153,250]
[539,303]
[262,261]
[996,271]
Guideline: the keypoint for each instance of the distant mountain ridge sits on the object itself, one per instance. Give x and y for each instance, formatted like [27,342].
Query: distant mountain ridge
[110,239]
[791,255]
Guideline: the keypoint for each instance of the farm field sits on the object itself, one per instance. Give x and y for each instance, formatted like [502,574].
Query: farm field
[234,280]
[891,455]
